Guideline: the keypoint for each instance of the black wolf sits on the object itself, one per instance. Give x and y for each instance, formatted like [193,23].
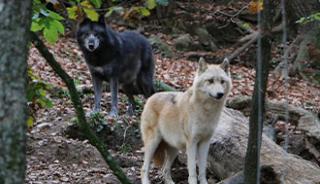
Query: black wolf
[123,59]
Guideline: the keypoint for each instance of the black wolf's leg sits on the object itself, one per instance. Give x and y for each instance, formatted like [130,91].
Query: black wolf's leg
[131,105]
[114,88]
[97,87]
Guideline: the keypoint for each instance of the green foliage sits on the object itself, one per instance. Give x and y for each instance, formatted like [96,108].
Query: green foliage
[151,4]
[36,96]
[114,9]
[89,11]
[126,148]
[142,11]
[96,3]
[97,121]
[30,122]
[47,21]
[37,92]
[50,23]
[72,12]
[311,18]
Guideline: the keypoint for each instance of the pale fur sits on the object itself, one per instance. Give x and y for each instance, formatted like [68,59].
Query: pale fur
[173,121]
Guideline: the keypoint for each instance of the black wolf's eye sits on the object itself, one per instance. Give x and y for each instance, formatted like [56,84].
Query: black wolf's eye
[210,81]
[222,81]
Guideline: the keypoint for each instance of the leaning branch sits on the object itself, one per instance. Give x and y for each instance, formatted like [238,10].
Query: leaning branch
[250,39]
[84,126]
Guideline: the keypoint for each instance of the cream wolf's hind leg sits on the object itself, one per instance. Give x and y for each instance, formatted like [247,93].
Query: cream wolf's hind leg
[203,149]
[150,148]
[171,154]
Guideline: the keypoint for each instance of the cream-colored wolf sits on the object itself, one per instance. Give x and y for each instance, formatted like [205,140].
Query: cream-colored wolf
[173,121]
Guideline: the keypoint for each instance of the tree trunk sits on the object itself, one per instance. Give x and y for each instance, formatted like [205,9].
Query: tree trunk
[228,149]
[15,18]
[252,159]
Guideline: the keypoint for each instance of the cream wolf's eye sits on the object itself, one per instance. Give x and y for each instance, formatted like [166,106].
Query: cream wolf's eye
[222,81]
[210,81]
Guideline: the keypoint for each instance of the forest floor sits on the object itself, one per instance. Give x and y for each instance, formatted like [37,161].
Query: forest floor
[54,157]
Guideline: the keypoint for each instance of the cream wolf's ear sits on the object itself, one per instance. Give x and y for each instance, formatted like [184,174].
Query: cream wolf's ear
[203,65]
[225,65]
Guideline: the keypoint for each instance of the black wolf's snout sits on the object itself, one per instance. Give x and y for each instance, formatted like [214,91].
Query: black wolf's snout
[91,45]
[219,95]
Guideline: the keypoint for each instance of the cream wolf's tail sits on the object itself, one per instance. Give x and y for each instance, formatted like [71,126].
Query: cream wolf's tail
[160,154]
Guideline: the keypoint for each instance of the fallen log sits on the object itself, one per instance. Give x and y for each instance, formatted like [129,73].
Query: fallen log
[228,148]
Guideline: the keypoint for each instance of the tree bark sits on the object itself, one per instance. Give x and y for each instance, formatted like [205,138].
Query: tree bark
[252,159]
[228,148]
[15,18]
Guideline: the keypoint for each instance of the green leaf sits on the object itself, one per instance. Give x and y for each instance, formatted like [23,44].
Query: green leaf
[35,16]
[109,13]
[72,12]
[317,16]
[117,9]
[51,35]
[151,4]
[44,12]
[36,26]
[91,14]
[58,26]
[143,11]
[30,121]
[42,92]
[96,3]
[54,15]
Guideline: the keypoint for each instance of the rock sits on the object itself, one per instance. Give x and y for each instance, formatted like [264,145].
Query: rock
[183,42]
[206,40]
[163,47]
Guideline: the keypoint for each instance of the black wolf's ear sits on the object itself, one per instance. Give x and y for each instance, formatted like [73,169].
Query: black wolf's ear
[102,19]
[203,65]
[225,65]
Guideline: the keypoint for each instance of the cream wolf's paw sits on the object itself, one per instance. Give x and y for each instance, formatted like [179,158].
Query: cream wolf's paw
[144,181]
[113,113]
[169,182]
[204,181]
[192,180]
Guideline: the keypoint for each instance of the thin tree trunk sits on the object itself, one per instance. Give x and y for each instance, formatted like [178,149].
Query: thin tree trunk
[252,159]
[15,18]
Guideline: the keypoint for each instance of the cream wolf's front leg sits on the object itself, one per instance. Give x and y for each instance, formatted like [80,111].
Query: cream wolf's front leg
[203,150]
[191,153]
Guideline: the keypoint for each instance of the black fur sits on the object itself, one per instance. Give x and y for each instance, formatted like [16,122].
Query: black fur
[125,58]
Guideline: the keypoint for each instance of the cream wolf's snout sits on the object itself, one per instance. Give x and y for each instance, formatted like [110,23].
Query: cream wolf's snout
[173,121]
